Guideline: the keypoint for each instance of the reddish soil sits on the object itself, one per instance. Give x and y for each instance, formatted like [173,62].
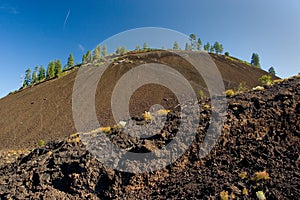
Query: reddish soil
[44,111]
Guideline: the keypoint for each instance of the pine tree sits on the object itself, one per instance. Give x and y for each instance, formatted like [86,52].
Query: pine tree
[88,56]
[193,41]
[57,69]
[145,46]
[188,47]
[84,59]
[50,70]
[175,46]
[118,50]
[138,47]
[207,46]
[272,71]
[212,49]
[218,47]
[34,77]
[104,51]
[123,50]
[41,75]
[255,60]
[70,63]
[27,79]
[97,53]
[199,44]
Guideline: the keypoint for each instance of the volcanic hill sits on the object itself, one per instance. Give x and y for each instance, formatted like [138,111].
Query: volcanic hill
[44,111]
[256,155]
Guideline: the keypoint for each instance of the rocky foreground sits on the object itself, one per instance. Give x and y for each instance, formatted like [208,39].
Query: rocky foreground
[257,155]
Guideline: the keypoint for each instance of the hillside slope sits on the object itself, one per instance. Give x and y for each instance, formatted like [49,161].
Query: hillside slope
[44,111]
[258,151]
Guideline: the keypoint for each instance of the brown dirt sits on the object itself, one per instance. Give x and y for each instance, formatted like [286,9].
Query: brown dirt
[261,133]
[44,111]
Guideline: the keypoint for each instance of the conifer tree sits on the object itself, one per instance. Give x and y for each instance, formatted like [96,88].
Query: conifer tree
[138,47]
[272,71]
[27,79]
[97,53]
[206,46]
[34,77]
[123,50]
[51,70]
[145,46]
[57,68]
[199,44]
[255,60]
[41,75]
[70,63]
[188,47]
[88,56]
[175,46]
[104,51]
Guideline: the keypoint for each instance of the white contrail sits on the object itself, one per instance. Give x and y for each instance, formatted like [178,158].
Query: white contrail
[66,19]
[81,48]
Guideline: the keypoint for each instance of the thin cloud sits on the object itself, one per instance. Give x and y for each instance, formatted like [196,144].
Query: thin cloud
[9,9]
[81,48]
[67,17]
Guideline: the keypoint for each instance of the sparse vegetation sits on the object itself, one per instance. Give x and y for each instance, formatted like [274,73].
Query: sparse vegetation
[243,175]
[201,94]
[206,46]
[175,46]
[224,195]
[229,93]
[255,61]
[70,63]
[27,79]
[272,71]
[147,116]
[265,80]
[41,143]
[218,48]
[260,175]
[242,87]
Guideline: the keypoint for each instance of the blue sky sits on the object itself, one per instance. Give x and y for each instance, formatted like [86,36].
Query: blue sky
[36,32]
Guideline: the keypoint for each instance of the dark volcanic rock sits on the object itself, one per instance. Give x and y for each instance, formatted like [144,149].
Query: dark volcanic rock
[261,133]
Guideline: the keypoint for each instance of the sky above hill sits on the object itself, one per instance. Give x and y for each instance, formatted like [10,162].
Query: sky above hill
[33,32]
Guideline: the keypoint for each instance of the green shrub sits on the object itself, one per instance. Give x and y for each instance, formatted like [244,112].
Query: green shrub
[201,94]
[41,143]
[242,87]
[265,80]
[229,93]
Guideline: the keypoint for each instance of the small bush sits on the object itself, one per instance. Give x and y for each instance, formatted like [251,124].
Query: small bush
[226,53]
[147,116]
[106,129]
[243,175]
[224,195]
[229,93]
[201,94]
[260,175]
[242,87]
[265,80]
[41,143]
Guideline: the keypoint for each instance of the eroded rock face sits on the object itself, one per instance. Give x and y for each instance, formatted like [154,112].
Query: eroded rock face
[261,132]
